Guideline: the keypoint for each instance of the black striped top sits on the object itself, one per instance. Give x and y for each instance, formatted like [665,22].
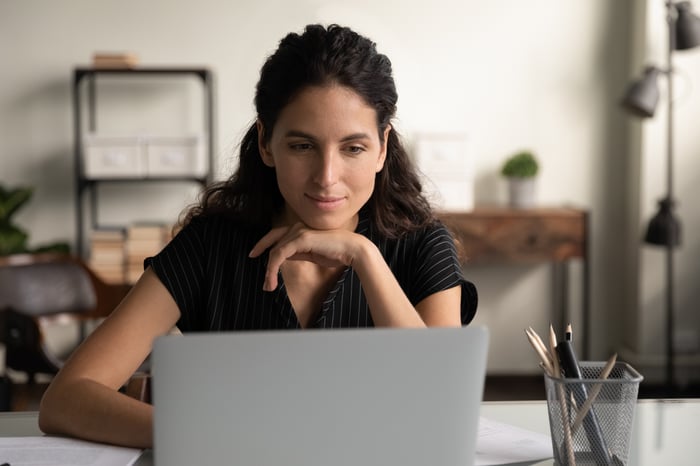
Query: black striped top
[216,285]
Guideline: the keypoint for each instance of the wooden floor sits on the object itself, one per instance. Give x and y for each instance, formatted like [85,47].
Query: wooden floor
[531,387]
[26,397]
[513,387]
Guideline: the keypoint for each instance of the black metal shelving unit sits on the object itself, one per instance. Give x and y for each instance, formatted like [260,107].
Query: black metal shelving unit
[84,184]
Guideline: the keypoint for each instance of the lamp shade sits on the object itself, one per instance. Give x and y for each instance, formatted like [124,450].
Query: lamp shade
[642,95]
[687,27]
[664,228]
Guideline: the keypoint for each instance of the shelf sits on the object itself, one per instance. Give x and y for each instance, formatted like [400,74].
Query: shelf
[84,87]
[189,179]
[81,72]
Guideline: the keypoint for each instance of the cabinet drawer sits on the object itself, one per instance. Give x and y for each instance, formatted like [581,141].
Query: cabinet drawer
[511,235]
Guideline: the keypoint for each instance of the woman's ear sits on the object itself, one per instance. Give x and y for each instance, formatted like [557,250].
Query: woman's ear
[263,147]
[384,148]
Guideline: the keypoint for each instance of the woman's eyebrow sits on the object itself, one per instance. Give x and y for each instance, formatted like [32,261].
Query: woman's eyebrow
[294,133]
[354,137]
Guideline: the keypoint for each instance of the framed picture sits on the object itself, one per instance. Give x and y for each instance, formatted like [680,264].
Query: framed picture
[447,168]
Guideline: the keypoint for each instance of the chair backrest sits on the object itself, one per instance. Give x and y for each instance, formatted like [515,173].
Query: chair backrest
[44,288]
[38,286]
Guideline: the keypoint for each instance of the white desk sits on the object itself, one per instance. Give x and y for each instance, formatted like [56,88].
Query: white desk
[666,432]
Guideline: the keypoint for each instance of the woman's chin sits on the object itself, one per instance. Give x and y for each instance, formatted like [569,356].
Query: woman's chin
[331,223]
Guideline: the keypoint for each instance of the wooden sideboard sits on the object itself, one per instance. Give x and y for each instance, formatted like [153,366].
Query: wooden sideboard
[557,235]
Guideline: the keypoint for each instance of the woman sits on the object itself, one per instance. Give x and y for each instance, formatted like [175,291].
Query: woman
[322,225]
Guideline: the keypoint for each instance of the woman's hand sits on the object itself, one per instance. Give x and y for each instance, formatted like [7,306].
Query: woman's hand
[388,304]
[328,248]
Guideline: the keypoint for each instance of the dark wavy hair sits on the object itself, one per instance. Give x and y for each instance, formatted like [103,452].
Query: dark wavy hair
[322,56]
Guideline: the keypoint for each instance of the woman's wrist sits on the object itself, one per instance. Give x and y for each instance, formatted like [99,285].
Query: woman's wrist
[365,256]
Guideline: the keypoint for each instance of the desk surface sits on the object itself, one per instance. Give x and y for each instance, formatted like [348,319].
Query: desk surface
[665,431]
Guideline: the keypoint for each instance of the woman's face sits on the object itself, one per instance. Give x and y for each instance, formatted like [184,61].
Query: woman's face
[326,151]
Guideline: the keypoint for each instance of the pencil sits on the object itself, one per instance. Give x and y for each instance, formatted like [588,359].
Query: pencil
[542,346]
[586,406]
[553,351]
[540,352]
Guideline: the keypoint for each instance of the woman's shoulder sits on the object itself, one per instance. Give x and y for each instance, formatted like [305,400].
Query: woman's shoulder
[433,236]
[428,232]
[422,241]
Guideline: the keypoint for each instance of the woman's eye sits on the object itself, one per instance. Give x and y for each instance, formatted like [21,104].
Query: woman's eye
[301,146]
[355,149]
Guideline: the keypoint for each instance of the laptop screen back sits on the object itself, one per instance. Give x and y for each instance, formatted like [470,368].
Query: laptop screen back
[352,397]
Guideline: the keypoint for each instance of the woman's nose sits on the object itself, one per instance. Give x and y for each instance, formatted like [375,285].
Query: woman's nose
[326,173]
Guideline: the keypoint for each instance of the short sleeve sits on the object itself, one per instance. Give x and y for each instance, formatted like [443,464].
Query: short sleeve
[438,268]
[180,267]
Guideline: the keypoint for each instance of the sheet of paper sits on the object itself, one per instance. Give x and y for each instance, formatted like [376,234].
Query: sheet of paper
[59,451]
[499,443]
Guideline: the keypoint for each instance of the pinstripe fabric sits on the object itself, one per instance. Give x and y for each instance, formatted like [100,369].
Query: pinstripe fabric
[207,270]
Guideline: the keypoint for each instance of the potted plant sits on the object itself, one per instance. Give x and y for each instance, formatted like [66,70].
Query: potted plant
[521,169]
[13,240]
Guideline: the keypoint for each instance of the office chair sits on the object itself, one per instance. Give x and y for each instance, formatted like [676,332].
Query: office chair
[36,287]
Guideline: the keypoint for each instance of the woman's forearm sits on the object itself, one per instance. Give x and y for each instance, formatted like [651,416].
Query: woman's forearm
[389,305]
[81,407]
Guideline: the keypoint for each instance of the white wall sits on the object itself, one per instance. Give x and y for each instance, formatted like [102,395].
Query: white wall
[540,74]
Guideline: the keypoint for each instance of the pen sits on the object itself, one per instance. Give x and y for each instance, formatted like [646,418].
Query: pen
[568,442]
[569,364]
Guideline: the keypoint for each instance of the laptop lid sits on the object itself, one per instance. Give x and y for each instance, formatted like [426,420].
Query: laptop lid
[348,397]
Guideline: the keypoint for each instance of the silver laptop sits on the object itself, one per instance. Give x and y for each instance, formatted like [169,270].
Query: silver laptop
[355,397]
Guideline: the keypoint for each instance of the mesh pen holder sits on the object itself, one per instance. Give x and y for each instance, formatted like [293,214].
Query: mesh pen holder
[591,419]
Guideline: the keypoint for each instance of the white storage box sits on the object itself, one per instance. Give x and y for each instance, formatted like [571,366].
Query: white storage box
[175,156]
[447,167]
[113,157]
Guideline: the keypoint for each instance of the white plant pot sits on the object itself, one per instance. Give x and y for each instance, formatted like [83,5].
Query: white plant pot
[521,192]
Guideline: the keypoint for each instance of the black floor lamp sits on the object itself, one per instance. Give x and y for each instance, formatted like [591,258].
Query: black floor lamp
[641,99]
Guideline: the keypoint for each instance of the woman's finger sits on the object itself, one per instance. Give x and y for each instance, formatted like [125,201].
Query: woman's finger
[270,238]
[292,245]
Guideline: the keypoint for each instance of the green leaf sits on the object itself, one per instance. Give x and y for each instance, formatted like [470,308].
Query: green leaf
[12,200]
[61,247]
[12,240]
[520,165]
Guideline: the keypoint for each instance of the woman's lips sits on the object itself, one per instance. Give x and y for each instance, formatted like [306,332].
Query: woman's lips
[326,202]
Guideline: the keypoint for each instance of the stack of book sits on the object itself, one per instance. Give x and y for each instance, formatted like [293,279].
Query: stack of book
[107,255]
[142,241]
[114,60]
